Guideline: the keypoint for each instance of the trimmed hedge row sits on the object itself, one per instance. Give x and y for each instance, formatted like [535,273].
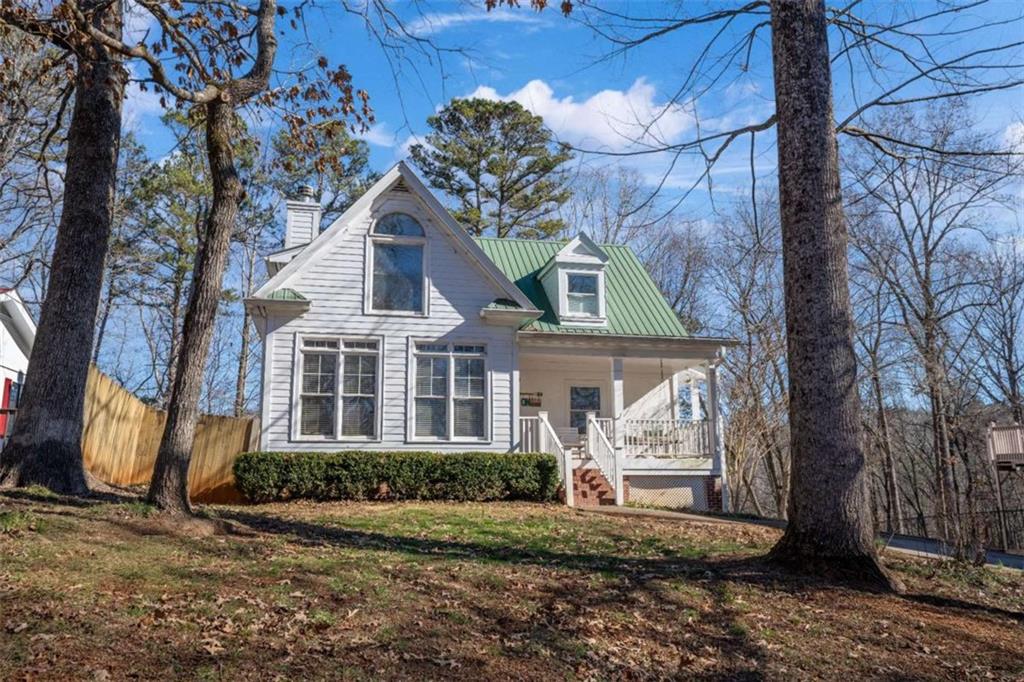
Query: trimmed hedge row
[362,475]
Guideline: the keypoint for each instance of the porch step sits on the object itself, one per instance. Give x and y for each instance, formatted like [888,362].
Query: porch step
[591,488]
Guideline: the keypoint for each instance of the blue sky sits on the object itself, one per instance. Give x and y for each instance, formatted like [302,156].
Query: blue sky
[564,72]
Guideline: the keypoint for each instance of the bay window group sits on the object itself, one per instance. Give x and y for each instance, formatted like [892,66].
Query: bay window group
[339,389]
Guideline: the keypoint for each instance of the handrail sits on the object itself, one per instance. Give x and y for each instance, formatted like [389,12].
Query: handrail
[549,442]
[601,450]
[607,426]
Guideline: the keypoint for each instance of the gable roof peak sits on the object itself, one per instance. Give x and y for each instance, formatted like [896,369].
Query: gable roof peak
[581,247]
[406,179]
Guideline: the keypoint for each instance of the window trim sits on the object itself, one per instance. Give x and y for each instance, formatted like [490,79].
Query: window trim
[564,315]
[295,429]
[410,392]
[373,239]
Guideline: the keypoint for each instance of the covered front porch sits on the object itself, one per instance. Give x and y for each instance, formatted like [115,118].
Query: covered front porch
[622,416]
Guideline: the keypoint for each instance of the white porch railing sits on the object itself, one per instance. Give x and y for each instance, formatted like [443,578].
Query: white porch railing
[666,438]
[536,434]
[603,453]
[607,427]
[529,434]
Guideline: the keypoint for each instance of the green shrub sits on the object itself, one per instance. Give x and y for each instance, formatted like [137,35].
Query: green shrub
[361,475]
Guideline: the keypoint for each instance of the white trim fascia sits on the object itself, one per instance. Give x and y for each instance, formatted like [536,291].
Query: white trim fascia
[278,259]
[684,348]
[512,318]
[399,171]
[264,307]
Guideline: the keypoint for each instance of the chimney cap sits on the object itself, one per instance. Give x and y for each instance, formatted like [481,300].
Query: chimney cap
[305,193]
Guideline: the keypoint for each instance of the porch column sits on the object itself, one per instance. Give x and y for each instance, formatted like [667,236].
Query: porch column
[673,395]
[618,407]
[694,399]
[618,403]
[715,432]
[515,427]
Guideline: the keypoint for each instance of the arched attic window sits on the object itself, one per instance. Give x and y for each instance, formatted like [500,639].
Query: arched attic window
[397,286]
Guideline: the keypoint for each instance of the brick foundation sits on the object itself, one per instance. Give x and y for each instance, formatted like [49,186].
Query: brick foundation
[713,493]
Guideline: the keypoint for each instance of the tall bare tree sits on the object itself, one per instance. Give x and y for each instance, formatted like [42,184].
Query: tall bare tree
[45,446]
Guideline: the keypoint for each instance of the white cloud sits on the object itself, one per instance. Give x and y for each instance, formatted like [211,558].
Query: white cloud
[610,120]
[139,104]
[1013,137]
[402,150]
[379,135]
[429,24]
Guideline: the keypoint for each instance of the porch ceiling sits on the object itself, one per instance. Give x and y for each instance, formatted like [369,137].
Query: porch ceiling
[665,366]
[685,352]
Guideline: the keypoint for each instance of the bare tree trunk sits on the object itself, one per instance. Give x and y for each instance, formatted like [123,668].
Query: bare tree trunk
[169,487]
[101,325]
[45,447]
[243,351]
[830,524]
[243,366]
[894,508]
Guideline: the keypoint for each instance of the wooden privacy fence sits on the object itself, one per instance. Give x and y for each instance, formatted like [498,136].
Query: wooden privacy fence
[122,435]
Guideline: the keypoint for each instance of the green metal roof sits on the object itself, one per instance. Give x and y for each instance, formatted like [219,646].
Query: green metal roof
[285,294]
[633,303]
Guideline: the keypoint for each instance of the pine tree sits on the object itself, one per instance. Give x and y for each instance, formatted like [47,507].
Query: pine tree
[501,164]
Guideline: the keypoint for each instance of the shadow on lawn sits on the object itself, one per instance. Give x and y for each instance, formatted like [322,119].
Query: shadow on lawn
[639,571]
[560,625]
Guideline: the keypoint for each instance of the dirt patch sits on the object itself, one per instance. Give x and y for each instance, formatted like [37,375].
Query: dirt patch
[467,591]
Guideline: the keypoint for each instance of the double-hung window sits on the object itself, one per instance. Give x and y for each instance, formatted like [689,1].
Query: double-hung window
[359,390]
[338,388]
[450,392]
[397,282]
[317,397]
[581,294]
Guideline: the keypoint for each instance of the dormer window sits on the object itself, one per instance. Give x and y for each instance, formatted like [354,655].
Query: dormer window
[397,245]
[582,294]
[574,281]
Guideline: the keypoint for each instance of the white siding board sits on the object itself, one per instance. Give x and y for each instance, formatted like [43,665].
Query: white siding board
[334,283]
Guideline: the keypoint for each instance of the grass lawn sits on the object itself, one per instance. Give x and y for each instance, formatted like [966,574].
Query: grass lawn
[473,591]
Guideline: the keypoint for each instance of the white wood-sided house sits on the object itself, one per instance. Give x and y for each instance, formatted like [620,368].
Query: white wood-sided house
[393,329]
[17,334]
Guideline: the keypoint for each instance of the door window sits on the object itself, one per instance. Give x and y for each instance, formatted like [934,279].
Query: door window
[583,399]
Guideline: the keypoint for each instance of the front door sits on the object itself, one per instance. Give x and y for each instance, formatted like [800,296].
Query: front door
[583,399]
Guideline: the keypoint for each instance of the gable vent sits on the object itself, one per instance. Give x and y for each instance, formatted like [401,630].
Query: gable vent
[400,186]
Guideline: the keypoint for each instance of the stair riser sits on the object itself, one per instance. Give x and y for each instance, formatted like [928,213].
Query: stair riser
[591,488]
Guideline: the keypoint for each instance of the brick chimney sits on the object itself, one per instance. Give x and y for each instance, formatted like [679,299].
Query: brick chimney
[302,223]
